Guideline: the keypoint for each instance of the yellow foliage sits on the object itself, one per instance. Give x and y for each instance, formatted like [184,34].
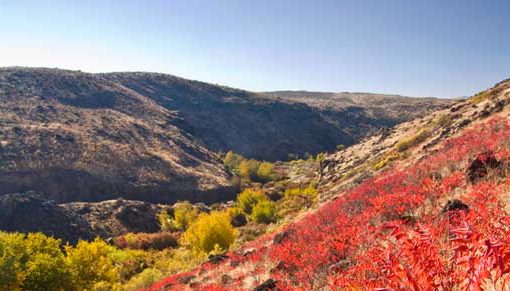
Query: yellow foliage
[265,172]
[385,161]
[232,161]
[310,192]
[249,198]
[184,214]
[143,280]
[264,212]
[480,97]
[248,169]
[414,140]
[164,220]
[91,265]
[296,199]
[32,262]
[210,232]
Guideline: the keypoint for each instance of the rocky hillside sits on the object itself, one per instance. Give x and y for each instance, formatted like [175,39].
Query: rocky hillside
[70,222]
[75,136]
[28,212]
[270,126]
[421,207]
[79,137]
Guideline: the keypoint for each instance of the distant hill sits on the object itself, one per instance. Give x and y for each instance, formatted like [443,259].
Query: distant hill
[363,114]
[76,136]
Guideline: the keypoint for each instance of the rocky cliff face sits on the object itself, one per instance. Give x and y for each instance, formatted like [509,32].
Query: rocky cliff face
[28,212]
[70,222]
[112,218]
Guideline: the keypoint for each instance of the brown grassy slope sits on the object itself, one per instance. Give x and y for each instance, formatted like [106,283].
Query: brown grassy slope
[411,140]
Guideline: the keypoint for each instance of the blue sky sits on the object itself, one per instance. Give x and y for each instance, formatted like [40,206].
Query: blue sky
[444,48]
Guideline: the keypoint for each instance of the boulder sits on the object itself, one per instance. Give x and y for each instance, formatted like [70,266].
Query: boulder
[268,285]
[481,166]
[455,205]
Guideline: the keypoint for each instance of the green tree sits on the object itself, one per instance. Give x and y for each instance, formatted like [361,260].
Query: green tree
[164,220]
[46,272]
[12,253]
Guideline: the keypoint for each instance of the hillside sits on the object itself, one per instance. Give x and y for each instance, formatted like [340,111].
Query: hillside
[155,137]
[421,207]
[264,125]
[363,114]
[78,137]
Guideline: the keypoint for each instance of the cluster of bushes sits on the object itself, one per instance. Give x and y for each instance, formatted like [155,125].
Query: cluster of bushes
[146,241]
[254,203]
[37,262]
[295,199]
[203,232]
[178,217]
[249,169]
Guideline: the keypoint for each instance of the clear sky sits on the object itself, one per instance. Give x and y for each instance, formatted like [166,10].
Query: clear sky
[444,48]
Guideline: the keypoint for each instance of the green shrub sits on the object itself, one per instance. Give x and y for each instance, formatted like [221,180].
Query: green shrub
[249,198]
[264,212]
[479,97]
[444,120]
[129,262]
[184,213]
[210,232]
[386,160]
[232,161]
[46,272]
[309,192]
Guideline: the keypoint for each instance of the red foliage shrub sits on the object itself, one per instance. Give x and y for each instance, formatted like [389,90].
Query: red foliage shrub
[391,233]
